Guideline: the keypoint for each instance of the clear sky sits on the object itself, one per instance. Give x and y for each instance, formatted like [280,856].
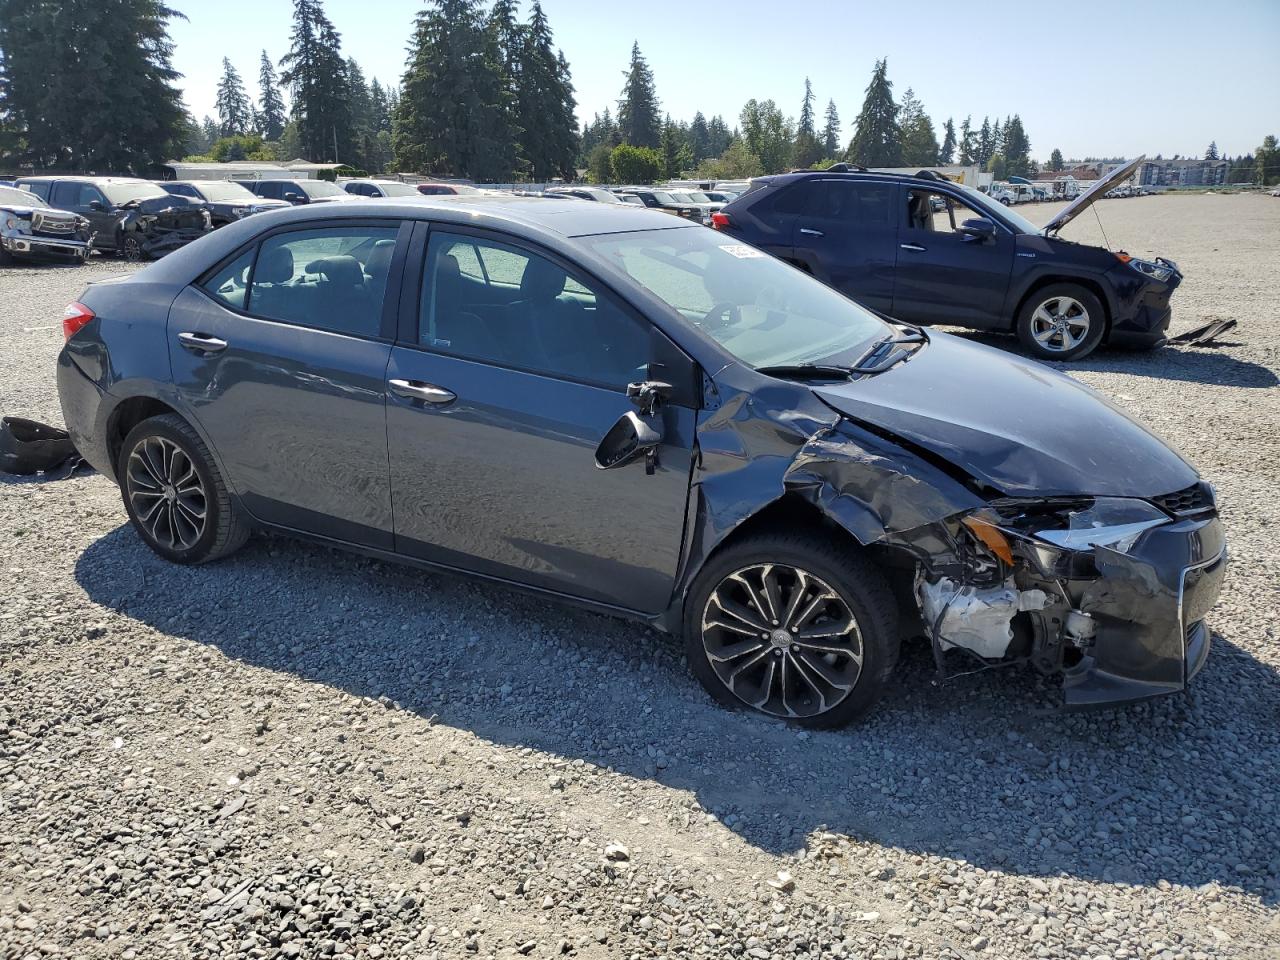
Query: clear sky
[1139,77]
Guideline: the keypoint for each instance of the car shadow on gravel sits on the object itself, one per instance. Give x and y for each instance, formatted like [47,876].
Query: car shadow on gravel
[979,768]
[1208,365]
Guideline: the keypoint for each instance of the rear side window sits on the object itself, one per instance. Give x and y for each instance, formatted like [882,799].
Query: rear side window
[792,198]
[332,278]
[39,188]
[853,202]
[231,283]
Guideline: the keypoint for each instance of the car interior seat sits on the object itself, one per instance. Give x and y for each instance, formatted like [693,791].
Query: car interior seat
[342,303]
[271,274]
[920,211]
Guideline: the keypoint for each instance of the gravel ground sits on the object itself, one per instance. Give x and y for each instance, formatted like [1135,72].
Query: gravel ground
[301,753]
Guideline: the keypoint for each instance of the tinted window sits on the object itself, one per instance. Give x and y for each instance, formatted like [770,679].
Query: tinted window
[502,304]
[229,283]
[270,191]
[40,188]
[790,199]
[67,193]
[852,202]
[181,189]
[334,278]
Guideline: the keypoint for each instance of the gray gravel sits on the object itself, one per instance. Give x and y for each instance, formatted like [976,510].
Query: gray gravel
[302,753]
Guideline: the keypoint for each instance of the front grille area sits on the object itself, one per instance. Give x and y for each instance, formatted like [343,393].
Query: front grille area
[1194,499]
[50,223]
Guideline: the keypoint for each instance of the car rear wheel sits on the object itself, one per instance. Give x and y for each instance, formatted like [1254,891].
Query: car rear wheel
[1062,321]
[174,495]
[794,626]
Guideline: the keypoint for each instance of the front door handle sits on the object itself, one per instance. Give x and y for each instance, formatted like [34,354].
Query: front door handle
[417,390]
[810,232]
[913,247]
[201,343]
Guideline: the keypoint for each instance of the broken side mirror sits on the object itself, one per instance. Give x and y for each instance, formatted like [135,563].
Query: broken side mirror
[632,436]
[978,229]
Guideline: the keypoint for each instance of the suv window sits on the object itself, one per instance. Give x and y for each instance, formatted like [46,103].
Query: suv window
[852,201]
[39,187]
[268,191]
[71,195]
[332,278]
[938,212]
[523,310]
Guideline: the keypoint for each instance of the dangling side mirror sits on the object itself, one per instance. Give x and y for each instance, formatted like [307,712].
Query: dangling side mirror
[634,435]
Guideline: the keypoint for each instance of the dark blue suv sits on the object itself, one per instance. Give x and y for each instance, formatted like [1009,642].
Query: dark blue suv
[925,250]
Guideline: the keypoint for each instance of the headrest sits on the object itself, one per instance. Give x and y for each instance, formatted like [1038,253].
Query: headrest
[379,262]
[276,266]
[338,270]
[542,280]
[448,268]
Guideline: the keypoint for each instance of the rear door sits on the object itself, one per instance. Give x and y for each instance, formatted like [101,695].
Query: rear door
[945,276]
[513,368]
[281,355]
[847,233]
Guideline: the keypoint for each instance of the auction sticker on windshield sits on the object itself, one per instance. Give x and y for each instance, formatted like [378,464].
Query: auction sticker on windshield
[741,251]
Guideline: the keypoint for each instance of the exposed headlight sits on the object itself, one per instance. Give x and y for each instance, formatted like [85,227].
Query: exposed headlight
[1114,522]
[17,223]
[1156,271]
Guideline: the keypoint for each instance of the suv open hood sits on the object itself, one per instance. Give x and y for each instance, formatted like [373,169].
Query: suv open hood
[1012,424]
[1080,203]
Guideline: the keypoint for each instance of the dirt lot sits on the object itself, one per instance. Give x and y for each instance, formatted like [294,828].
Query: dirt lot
[303,753]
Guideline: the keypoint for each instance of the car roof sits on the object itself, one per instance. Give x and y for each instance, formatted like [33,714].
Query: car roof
[917,179]
[89,179]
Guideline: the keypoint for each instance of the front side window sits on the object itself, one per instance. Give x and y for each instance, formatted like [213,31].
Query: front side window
[501,304]
[942,213]
[331,278]
[86,193]
[761,310]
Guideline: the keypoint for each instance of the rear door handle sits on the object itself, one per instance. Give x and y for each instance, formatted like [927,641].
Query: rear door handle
[201,343]
[913,247]
[808,232]
[417,390]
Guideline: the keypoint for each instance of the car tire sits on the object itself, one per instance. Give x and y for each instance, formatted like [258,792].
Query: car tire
[1049,323]
[817,685]
[175,496]
[131,248]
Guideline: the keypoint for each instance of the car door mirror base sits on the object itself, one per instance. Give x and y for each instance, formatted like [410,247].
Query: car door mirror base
[978,229]
[632,436]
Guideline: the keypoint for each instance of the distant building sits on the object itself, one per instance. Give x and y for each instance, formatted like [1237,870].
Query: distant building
[232,170]
[1183,173]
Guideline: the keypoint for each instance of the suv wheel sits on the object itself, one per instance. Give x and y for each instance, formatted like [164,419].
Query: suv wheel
[797,627]
[175,496]
[1062,321]
[131,248]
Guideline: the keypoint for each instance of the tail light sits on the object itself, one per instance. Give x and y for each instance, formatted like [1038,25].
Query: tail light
[719,220]
[74,317]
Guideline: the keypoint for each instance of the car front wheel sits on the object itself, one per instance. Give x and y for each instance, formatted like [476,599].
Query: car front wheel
[1062,321]
[174,495]
[795,626]
[131,248]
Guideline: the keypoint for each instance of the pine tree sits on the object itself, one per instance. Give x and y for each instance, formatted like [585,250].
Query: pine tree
[1016,148]
[968,149]
[509,37]
[1211,151]
[235,112]
[919,143]
[986,144]
[1055,160]
[877,138]
[60,103]
[548,143]
[831,131]
[669,147]
[997,137]
[271,110]
[808,150]
[316,74]
[699,138]
[638,109]
[947,154]
[210,131]
[454,111]
[720,135]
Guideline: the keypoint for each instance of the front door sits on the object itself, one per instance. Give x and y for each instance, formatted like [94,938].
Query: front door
[517,368]
[286,375]
[945,276]
[90,202]
[848,236]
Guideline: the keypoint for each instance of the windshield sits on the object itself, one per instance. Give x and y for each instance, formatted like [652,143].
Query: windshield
[321,188]
[604,196]
[985,204]
[121,193]
[392,188]
[663,197]
[225,190]
[697,197]
[12,196]
[761,310]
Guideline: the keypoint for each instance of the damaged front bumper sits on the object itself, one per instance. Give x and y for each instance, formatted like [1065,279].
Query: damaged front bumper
[1116,608]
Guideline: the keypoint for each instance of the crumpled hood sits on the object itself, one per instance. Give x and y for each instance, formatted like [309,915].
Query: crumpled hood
[173,211]
[1012,424]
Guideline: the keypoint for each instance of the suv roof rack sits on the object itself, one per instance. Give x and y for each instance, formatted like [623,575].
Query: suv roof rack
[932,175]
[841,167]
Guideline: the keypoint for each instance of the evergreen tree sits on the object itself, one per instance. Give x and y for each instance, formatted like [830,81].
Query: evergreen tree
[919,143]
[210,132]
[877,138]
[271,111]
[997,137]
[986,144]
[316,74]
[549,142]
[1211,151]
[719,134]
[699,138]
[1267,162]
[194,143]
[509,36]
[638,109]
[807,150]
[1016,148]
[968,148]
[670,147]
[363,132]
[235,112]
[89,86]
[947,154]
[1055,160]
[454,112]
[767,134]
[831,131]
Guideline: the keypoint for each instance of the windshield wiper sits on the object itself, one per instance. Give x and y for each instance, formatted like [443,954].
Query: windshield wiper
[805,371]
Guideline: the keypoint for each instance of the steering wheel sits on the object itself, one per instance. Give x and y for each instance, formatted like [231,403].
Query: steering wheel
[733,310]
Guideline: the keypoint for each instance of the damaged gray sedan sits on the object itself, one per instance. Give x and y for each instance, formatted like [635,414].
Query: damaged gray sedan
[611,407]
